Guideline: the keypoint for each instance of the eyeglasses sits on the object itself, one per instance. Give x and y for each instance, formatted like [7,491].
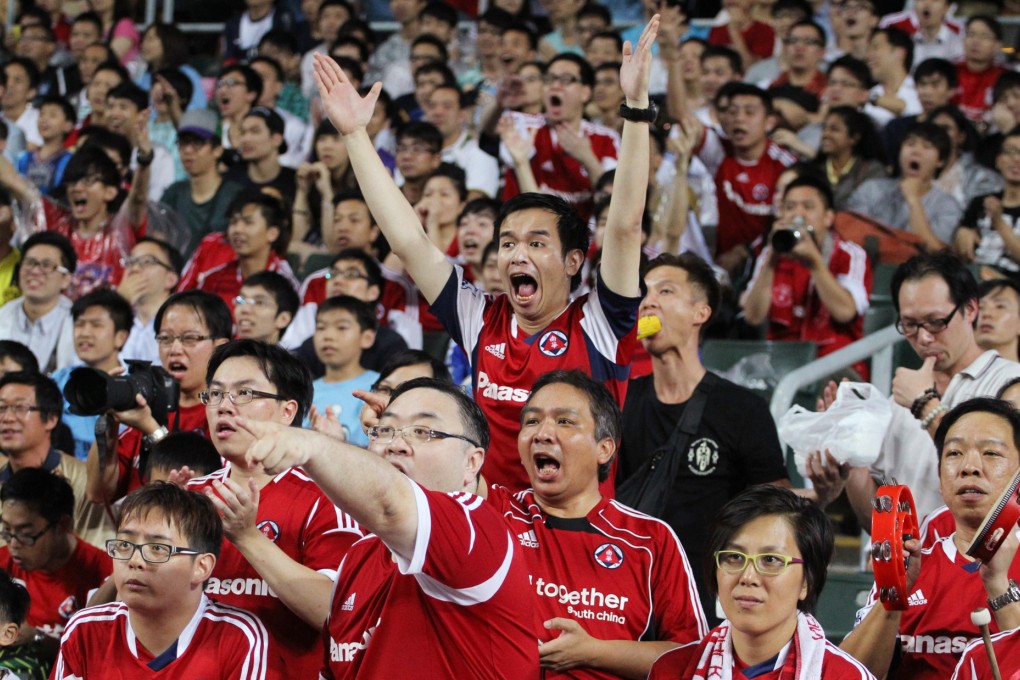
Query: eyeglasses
[257,303]
[229,82]
[242,396]
[20,410]
[412,434]
[563,79]
[27,540]
[44,266]
[153,553]
[143,261]
[416,148]
[793,40]
[766,564]
[345,274]
[935,326]
[1010,151]
[187,339]
[87,180]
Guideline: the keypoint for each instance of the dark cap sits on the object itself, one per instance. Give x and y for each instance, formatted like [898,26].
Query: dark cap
[199,122]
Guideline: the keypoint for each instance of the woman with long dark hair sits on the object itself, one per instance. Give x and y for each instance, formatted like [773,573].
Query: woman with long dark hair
[165,46]
[850,152]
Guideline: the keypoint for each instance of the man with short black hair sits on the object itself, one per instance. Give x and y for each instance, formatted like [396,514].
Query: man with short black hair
[264,307]
[127,111]
[151,274]
[21,87]
[445,110]
[998,323]
[261,143]
[890,58]
[294,129]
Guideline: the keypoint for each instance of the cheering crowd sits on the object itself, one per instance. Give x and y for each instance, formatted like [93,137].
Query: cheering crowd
[335,354]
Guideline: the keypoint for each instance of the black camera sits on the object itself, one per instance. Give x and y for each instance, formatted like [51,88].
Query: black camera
[91,392]
[784,240]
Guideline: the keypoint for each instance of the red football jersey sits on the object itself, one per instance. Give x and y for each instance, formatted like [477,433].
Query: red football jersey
[937,526]
[797,312]
[192,419]
[596,333]
[974,664]
[974,95]
[220,642]
[556,171]
[214,272]
[743,190]
[295,515]
[59,594]
[459,607]
[618,573]
[758,36]
[936,627]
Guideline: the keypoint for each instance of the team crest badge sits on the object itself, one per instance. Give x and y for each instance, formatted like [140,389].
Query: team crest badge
[68,607]
[270,528]
[553,343]
[703,457]
[609,556]
[760,192]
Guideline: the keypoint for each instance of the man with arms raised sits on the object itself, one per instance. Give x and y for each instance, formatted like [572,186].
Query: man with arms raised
[285,537]
[439,588]
[977,444]
[164,626]
[613,587]
[513,339]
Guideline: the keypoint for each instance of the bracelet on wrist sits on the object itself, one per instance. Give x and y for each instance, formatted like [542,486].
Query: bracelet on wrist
[917,408]
[930,418]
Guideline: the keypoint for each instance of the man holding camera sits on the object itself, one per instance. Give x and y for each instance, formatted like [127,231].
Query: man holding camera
[809,284]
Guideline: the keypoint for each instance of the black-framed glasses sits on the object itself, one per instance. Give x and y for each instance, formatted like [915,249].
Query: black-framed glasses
[563,79]
[27,540]
[766,564]
[935,326]
[413,434]
[797,40]
[187,339]
[256,302]
[154,553]
[20,410]
[45,266]
[143,261]
[345,274]
[245,395]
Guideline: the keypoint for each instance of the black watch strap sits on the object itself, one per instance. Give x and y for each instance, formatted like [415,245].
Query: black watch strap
[639,115]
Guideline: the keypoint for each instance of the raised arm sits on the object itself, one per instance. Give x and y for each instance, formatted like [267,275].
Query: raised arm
[621,252]
[360,483]
[350,113]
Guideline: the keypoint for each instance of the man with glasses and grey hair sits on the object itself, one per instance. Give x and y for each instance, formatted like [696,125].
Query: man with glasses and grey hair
[936,300]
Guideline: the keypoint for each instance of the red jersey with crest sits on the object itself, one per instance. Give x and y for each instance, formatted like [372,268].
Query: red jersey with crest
[214,268]
[129,447]
[798,313]
[936,627]
[458,607]
[620,574]
[219,643]
[974,664]
[59,594]
[974,94]
[743,190]
[556,171]
[595,333]
[295,515]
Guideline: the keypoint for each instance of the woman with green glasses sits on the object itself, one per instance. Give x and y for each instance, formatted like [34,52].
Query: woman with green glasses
[770,550]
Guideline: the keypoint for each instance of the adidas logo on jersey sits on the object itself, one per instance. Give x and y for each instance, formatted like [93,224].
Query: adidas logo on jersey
[348,605]
[742,177]
[917,599]
[528,539]
[498,350]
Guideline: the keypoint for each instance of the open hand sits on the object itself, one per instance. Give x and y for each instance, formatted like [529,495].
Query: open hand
[346,109]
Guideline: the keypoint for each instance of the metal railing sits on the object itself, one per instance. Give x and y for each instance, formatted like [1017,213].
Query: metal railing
[877,345]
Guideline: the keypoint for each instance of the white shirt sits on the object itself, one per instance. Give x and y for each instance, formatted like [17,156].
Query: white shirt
[28,122]
[294,130]
[161,172]
[141,342]
[907,92]
[908,452]
[50,337]
[482,170]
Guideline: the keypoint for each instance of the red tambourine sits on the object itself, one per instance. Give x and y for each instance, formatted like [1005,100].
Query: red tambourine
[999,521]
[893,521]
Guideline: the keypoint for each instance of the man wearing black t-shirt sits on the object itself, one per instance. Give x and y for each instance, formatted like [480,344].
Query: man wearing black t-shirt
[735,445]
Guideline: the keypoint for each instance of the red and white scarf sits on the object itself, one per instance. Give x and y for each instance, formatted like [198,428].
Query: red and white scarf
[803,658]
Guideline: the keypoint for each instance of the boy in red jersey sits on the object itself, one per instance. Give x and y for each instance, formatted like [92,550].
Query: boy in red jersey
[439,590]
[512,339]
[164,626]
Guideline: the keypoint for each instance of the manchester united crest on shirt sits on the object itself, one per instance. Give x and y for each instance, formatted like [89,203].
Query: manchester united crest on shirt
[703,457]
[270,528]
[553,343]
[609,556]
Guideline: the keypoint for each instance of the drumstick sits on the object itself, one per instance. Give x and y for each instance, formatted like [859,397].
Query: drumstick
[981,618]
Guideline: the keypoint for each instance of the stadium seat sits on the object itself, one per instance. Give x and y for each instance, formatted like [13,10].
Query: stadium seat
[843,595]
[315,262]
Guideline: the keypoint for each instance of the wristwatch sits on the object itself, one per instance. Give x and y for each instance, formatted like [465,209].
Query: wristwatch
[156,437]
[1009,597]
[145,159]
[639,115]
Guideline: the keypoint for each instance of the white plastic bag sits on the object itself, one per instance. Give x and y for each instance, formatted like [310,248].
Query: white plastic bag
[852,429]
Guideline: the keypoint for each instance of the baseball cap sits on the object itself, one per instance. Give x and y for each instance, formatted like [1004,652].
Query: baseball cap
[200,122]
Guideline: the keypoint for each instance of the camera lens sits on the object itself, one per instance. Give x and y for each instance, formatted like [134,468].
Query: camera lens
[783,240]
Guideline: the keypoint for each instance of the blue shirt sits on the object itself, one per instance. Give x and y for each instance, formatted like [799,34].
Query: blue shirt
[339,395]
